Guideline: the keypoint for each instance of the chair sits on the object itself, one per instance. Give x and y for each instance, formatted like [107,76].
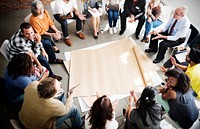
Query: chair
[4,49]
[52,4]
[27,18]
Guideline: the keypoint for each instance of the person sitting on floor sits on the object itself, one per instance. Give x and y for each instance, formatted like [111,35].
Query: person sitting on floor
[179,103]
[89,5]
[173,34]
[26,41]
[43,25]
[135,10]
[68,9]
[153,19]
[45,106]
[146,114]
[102,114]
[19,73]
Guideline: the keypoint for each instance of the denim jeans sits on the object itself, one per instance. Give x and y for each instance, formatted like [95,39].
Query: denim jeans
[49,49]
[43,61]
[151,25]
[74,116]
[112,17]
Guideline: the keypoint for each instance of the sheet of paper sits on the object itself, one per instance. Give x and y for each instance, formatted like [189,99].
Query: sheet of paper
[181,57]
[96,13]
[165,125]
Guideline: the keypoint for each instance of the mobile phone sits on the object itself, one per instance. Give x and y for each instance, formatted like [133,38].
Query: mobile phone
[73,88]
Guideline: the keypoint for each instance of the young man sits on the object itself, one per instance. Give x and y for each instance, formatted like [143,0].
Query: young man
[173,34]
[26,41]
[68,9]
[42,107]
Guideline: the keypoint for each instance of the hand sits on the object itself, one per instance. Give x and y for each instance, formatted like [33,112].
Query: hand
[115,103]
[132,19]
[56,36]
[45,55]
[162,90]
[131,100]
[158,37]
[46,74]
[97,94]
[40,68]
[132,92]
[38,38]
[82,17]
[149,20]
[148,11]
[173,61]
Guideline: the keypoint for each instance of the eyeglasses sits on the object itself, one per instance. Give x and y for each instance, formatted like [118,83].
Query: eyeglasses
[177,14]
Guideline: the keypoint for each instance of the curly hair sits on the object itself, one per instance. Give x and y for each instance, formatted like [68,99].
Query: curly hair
[147,104]
[46,88]
[100,112]
[183,84]
[20,65]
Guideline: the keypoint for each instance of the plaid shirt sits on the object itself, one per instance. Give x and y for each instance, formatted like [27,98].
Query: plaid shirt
[19,44]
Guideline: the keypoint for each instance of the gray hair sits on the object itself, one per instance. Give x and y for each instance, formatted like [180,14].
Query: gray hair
[184,9]
[35,5]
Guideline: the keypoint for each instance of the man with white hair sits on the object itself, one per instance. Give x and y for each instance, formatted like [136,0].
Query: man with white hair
[173,34]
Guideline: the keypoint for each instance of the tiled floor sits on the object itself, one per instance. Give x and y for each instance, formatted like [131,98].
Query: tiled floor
[10,22]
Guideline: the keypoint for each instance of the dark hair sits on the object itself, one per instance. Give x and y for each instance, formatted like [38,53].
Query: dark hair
[146,104]
[100,112]
[46,88]
[20,65]
[25,25]
[183,84]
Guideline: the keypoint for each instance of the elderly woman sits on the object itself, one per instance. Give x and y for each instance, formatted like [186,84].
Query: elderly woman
[43,25]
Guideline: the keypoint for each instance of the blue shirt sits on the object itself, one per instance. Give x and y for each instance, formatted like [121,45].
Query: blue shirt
[180,30]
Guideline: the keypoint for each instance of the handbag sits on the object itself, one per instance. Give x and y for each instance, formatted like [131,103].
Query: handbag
[113,7]
[98,4]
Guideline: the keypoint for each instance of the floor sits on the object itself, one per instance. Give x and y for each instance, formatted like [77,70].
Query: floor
[11,20]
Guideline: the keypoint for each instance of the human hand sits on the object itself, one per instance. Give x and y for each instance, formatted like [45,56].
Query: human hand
[82,17]
[40,68]
[46,74]
[130,100]
[173,61]
[132,19]
[159,36]
[45,55]
[37,38]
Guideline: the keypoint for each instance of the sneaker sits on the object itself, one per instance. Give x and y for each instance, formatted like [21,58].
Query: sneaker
[111,30]
[115,30]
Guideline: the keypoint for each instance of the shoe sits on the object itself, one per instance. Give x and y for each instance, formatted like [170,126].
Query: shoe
[145,40]
[115,30]
[111,30]
[68,42]
[80,35]
[136,36]
[149,50]
[59,78]
[121,32]
[96,37]
[56,50]
[157,61]
[58,61]
[98,33]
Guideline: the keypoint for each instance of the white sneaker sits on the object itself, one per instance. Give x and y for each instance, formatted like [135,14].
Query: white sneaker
[115,30]
[111,30]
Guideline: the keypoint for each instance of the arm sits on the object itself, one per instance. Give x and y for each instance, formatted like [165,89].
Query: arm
[170,94]
[173,61]
[132,98]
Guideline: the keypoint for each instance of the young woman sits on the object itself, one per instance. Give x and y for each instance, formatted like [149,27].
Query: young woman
[182,107]
[102,114]
[89,5]
[153,18]
[146,114]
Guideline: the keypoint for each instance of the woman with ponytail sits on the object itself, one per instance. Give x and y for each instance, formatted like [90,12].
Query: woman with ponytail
[146,114]
[182,107]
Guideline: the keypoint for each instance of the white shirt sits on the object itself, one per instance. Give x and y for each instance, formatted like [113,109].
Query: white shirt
[64,8]
[180,30]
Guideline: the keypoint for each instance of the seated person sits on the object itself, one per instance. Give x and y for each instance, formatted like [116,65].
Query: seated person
[88,5]
[112,8]
[153,19]
[192,70]
[135,10]
[102,114]
[182,107]
[19,73]
[146,114]
[68,9]
[43,25]
[26,41]
[195,43]
[173,34]
[42,108]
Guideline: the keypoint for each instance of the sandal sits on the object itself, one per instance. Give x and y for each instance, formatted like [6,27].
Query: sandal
[58,61]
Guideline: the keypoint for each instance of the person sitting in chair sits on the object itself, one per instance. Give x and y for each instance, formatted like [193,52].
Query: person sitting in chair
[68,9]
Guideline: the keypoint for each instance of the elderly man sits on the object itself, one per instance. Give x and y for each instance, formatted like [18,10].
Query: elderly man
[135,10]
[26,41]
[173,34]
[67,9]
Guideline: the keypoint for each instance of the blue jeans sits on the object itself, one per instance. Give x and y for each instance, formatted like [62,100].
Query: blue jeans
[151,25]
[74,116]
[49,49]
[43,61]
[112,17]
